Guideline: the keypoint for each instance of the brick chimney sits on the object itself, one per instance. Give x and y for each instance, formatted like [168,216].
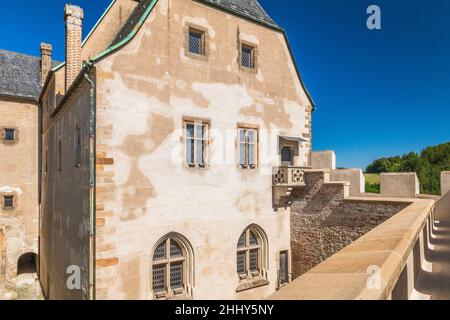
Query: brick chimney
[46,61]
[73,16]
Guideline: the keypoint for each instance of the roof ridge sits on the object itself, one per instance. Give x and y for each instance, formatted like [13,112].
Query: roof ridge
[265,12]
[20,54]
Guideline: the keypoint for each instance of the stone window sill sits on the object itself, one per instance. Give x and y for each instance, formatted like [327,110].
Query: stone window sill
[281,286]
[175,295]
[9,142]
[247,69]
[200,57]
[252,284]
[198,166]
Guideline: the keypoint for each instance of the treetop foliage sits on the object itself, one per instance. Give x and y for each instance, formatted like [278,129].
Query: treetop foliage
[428,165]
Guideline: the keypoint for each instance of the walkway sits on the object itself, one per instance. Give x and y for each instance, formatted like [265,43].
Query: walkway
[437,282]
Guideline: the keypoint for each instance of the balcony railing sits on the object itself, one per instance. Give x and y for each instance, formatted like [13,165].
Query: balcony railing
[289,176]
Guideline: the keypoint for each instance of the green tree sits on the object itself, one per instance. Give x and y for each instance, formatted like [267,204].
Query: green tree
[428,165]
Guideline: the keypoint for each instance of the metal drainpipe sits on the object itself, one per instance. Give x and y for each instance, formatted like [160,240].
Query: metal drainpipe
[87,67]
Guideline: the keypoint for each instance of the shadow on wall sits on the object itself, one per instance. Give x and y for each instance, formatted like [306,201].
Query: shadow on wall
[27,263]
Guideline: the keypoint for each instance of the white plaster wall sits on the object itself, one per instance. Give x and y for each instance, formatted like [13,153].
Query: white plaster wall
[140,112]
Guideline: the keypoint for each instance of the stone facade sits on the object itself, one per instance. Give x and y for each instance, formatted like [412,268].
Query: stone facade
[145,192]
[64,210]
[399,185]
[445,182]
[354,176]
[324,220]
[323,160]
[18,179]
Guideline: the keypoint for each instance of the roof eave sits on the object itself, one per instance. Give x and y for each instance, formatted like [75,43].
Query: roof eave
[313,105]
[243,16]
[34,100]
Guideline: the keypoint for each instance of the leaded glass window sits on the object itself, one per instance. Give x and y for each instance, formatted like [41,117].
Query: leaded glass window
[196,42]
[169,262]
[249,259]
[248,56]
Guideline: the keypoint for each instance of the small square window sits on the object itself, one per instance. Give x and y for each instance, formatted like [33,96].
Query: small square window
[8,201]
[10,134]
[196,42]
[248,56]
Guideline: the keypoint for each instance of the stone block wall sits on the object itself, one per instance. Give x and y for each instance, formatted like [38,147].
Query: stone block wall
[323,160]
[354,176]
[399,185]
[324,220]
[445,182]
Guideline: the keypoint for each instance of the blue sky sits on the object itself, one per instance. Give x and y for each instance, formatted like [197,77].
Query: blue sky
[378,92]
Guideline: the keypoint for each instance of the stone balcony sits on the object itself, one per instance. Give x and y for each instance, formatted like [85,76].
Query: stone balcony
[288,176]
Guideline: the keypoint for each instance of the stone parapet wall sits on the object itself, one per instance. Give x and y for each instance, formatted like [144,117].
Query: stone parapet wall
[323,160]
[354,176]
[399,185]
[445,182]
[324,220]
[395,250]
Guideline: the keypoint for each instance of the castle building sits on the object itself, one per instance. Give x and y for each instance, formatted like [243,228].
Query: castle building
[21,78]
[157,159]
[142,166]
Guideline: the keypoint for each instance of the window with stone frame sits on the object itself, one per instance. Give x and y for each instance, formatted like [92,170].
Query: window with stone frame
[248,56]
[170,268]
[9,134]
[196,41]
[196,140]
[8,202]
[249,254]
[248,147]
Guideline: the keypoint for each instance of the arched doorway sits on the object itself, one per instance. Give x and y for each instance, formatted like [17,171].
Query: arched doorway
[27,263]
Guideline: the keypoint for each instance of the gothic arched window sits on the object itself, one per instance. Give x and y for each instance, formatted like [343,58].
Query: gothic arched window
[172,267]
